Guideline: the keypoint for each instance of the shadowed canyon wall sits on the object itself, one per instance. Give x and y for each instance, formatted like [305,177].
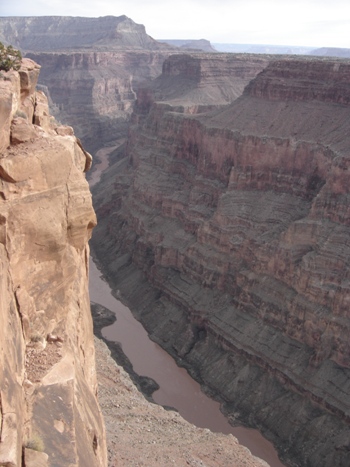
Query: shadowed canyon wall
[95,90]
[49,414]
[233,226]
[91,68]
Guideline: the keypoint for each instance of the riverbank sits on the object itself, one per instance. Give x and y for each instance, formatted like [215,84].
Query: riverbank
[102,317]
[143,434]
[176,387]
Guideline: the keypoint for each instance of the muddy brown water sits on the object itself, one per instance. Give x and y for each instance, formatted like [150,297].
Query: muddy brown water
[100,163]
[177,388]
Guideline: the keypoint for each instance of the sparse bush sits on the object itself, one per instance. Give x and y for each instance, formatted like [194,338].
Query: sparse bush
[35,443]
[10,58]
[36,337]
[20,113]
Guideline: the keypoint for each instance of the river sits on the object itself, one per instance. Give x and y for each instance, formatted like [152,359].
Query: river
[176,387]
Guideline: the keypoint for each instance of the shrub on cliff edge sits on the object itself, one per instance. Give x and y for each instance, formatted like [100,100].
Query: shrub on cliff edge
[10,58]
[35,443]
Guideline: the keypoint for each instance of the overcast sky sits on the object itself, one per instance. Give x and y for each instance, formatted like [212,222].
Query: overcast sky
[313,23]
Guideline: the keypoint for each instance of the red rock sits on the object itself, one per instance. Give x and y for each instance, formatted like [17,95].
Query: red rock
[21,131]
[46,218]
[239,221]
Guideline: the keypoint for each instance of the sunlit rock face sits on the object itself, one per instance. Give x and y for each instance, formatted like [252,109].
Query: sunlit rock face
[47,368]
[227,231]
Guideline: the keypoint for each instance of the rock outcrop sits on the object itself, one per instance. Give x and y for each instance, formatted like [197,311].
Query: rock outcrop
[233,225]
[91,68]
[52,33]
[192,44]
[193,83]
[49,413]
[94,91]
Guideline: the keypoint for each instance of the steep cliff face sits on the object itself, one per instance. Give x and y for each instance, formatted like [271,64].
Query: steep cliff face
[91,68]
[234,226]
[193,83]
[49,414]
[95,90]
[44,33]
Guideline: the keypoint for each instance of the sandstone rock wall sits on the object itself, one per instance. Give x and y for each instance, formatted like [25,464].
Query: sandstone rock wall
[94,91]
[193,83]
[49,414]
[91,68]
[47,33]
[234,227]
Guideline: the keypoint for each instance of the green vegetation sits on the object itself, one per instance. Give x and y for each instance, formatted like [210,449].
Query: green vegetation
[35,337]
[20,113]
[10,58]
[36,443]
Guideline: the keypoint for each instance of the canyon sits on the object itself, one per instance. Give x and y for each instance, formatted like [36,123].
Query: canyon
[51,368]
[91,68]
[223,223]
[226,230]
[147,433]
[95,90]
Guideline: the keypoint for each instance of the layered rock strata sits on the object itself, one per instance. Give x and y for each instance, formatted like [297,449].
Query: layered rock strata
[197,83]
[91,68]
[94,91]
[49,413]
[233,226]
[50,33]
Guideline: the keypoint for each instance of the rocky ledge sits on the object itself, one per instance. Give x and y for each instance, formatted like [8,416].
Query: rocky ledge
[49,413]
[233,228]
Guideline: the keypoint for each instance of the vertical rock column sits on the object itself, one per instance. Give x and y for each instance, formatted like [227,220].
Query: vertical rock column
[49,410]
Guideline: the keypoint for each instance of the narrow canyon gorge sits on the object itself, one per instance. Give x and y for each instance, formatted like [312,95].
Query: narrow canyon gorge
[51,368]
[226,231]
[60,391]
[222,223]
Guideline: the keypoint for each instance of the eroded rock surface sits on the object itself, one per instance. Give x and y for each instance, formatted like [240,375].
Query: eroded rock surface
[49,414]
[48,33]
[233,226]
[94,90]
[91,68]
